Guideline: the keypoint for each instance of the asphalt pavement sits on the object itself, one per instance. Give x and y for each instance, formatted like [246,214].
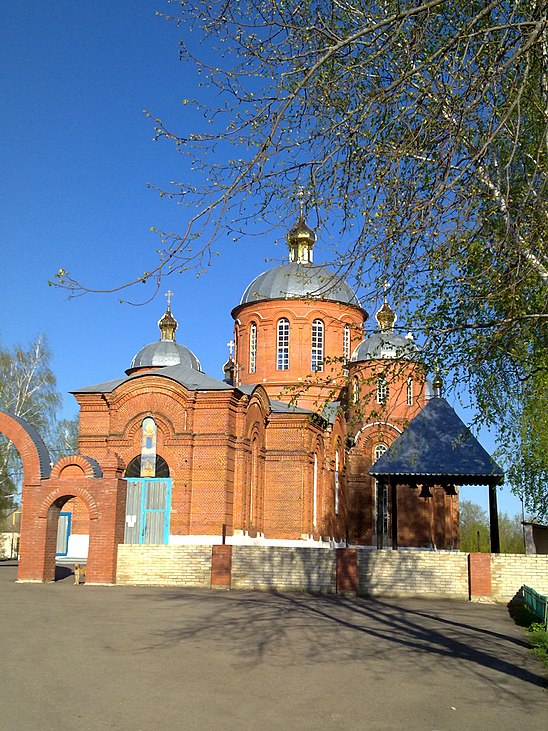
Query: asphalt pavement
[131,658]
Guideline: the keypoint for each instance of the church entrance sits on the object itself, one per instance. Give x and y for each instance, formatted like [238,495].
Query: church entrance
[148,506]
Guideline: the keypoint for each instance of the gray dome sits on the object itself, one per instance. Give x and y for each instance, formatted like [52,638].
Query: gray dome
[296,280]
[383,345]
[165,353]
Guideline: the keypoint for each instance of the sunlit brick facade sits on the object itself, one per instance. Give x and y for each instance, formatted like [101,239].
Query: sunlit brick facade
[277,453]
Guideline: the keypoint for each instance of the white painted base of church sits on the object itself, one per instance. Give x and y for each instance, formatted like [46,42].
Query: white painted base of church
[242,538]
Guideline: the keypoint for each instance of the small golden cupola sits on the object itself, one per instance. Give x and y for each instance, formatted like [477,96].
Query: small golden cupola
[386,317]
[300,240]
[167,323]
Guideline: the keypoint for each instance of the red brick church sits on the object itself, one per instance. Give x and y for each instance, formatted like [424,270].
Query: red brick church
[275,454]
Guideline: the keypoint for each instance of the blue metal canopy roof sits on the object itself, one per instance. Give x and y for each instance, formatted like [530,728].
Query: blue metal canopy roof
[437,445]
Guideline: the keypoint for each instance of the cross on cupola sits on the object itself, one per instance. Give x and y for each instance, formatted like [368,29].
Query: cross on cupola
[168,324]
[230,345]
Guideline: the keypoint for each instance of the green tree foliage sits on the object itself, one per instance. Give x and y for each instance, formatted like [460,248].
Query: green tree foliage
[474,521]
[418,132]
[28,390]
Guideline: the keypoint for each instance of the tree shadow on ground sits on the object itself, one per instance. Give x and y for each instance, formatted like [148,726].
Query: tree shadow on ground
[297,629]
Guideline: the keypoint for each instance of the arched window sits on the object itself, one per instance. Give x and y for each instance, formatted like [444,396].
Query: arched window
[317,345]
[379,450]
[252,347]
[148,447]
[355,390]
[382,389]
[410,391]
[346,342]
[133,469]
[282,345]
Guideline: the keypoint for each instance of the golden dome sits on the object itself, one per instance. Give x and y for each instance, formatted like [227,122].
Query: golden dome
[386,317]
[168,324]
[300,240]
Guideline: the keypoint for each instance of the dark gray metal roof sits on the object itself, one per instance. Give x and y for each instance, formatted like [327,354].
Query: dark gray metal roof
[188,377]
[43,453]
[165,353]
[330,411]
[297,280]
[438,444]
[280,407]
[385,344]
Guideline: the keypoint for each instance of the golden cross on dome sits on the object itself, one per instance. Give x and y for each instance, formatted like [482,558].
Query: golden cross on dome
[169,295]
[300,196]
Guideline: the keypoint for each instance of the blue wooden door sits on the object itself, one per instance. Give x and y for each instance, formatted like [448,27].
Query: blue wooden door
[63,533]
[148,506]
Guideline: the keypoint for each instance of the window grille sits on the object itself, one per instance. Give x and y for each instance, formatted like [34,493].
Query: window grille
[317,345]
[382,389]
[253,348]
[410,391]
[282,350]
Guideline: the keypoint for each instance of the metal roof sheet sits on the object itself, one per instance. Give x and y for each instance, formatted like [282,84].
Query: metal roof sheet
[437,443]
[297,280]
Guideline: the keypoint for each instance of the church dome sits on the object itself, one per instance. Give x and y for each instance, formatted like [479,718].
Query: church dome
[297,280]
[386,343]
[165,352]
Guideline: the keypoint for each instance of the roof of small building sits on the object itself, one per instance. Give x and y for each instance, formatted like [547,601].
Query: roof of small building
[186,376]
[438,444]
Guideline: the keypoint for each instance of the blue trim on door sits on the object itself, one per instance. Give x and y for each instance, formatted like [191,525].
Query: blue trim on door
[69,523]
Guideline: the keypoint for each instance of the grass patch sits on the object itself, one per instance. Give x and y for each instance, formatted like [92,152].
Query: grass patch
[537,636]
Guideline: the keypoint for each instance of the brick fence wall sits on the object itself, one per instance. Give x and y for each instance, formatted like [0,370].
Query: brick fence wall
[413,573]
[439,574]
[284,569]
[510,571]
[164,565]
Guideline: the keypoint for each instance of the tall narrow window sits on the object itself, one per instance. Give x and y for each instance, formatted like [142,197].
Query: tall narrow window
[346,348]
[346,342]
[317,346]
[355,390]
[252,348]
[282,349]
[382,389]
[410,391]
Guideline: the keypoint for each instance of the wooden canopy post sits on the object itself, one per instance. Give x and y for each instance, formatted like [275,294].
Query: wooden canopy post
[494,519]
[394,517]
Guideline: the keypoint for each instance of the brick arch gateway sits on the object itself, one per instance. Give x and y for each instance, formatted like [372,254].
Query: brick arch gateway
[46,490]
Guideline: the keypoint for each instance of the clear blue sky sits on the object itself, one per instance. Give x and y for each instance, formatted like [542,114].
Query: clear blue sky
[76,153]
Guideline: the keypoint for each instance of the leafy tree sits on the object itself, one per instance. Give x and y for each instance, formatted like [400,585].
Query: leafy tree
[28,390]
[419,135]
[474,521]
